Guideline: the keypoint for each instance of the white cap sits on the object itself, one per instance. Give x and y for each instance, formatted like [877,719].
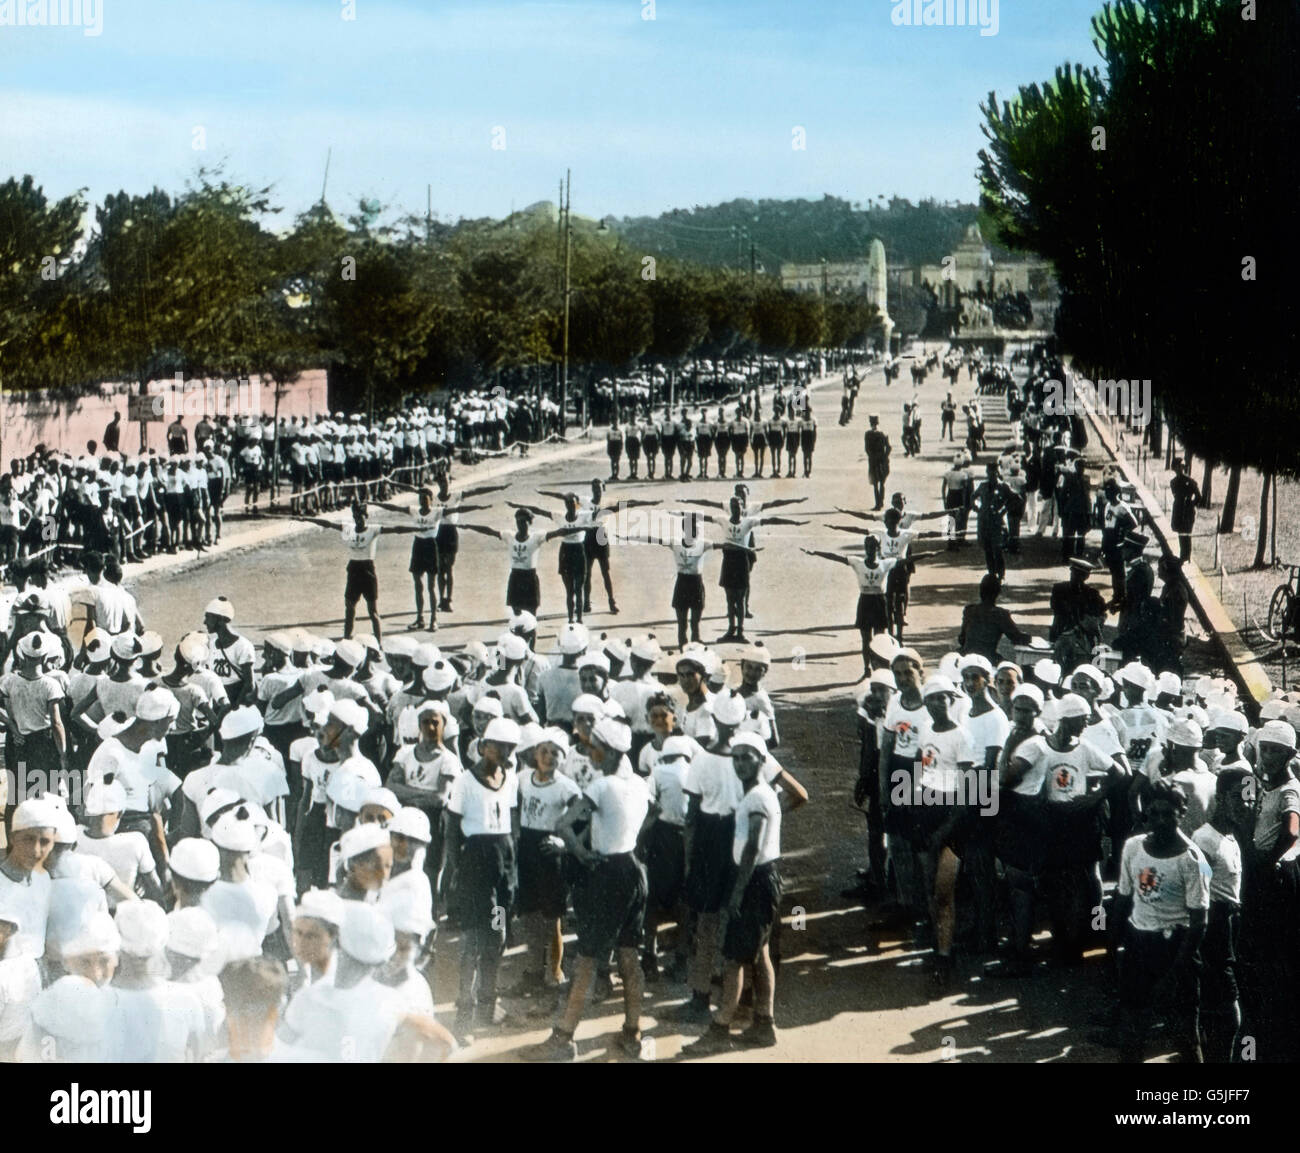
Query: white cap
[978,662]
[489,706]
[597,661]
[551,735]
[1048,671]
[1136,674]
[321,905]
[235,831]
[439,676]
[883,677]
[1029,693]
[143,928]
[98,935]
[38,644]
[362,839]
[938,684]
[1092,672]
[99,645]
[126,647]
[573,638]
[113,724]
[728,708]
[1230,720]
[241,722]
[529,734]
[350,653]
[748,740]
[281,642]
[588,704]
[647,649]
[512,647]
[681,746]
[191,932]
[411,822]
[1186,734]
[1072,705]
[612,734]
[1272,732]
[347,791]
[382,798]
[157,704]
[366,933]
[195,649]
[523,622]
[352,715]
[399,646]
[214,800]
[425,655]
[502,730]
[220,607]
[151,644]
[195,859]
[101,798]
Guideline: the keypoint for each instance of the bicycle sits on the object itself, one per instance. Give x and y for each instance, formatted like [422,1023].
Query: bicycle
[1284,608]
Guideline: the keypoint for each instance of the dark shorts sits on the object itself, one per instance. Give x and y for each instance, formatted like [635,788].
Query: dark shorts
[747,933]
[610,901]
[596,543]
[485,881]
[542,886]
[216,493]
[448,542]
[708,883]
[735,569]
[363,583]
[688,592]
[424,555]
[665,860]
[1219,956]
[523,590]
[573,560]
[872,613]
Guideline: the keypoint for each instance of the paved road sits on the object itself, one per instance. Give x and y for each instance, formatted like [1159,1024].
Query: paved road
[846,991]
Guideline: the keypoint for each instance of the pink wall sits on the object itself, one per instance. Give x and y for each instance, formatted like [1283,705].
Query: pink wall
[66,423]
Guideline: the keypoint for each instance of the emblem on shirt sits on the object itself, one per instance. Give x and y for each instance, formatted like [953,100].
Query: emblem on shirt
[1149,882]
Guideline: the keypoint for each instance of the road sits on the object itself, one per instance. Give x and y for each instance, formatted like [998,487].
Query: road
[847,991]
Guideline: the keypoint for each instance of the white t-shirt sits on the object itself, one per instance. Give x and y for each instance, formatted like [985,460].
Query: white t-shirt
[621,805]
[871,581]
[355,1024]
[227,662]
[988,730]
[30,899]
[484,811]
[712,778]
[540,806]
[760,800]
[698,724]
[1163,888]
[1224,855]
[941,757]
[1066,774]
[523,553]
[690,559]
[1140,729]
[144,776]
[906,725]
[667,782]
[427,775]
[361,545]
[154,1026]
[127,853]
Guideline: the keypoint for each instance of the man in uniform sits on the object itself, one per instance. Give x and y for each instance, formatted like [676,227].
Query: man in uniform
[1074,601]
[878,448]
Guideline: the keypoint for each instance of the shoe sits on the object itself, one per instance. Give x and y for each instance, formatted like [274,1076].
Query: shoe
[586,608]
[748,615]
[629,1041]
[716,1039]
[489,1015]
[613,608]
[696,1011]
[414,626]
[760,1035]
[557,1047]
[463,1029]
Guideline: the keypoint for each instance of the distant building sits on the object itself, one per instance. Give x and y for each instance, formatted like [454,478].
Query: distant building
[971,266]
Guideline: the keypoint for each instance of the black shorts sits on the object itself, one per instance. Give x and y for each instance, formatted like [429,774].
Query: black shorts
[610,901]
[542,885]
[363,583]
[573,560]
[735,569]
[448,541]
[872,613]
[708,884]
[688,592]
[424,555]
[485,881]
[216,493]
[596,543]
[747,933]
[523,590]
[1219,956]
[665,859]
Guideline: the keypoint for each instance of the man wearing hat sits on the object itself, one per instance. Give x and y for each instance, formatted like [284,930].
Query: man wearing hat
[983,625]
[610,895]
[1182,514]
[877,447]
[232,654]
[1075,604]
[1139,581]
[1117,521]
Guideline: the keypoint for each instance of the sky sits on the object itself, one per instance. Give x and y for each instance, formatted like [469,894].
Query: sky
[489,101]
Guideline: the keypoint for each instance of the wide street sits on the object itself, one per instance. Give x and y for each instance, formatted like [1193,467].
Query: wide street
[846,990]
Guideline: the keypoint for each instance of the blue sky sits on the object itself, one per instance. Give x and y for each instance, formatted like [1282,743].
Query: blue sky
[693,107]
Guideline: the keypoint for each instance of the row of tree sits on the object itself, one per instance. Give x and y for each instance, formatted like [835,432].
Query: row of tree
[201,283]
[1161,188]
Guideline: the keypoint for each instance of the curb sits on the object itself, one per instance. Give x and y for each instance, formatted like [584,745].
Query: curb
[1243,664]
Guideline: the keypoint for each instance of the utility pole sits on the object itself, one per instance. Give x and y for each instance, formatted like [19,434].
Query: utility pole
[751,264]
[325,181]
[823,277]
[568,249]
